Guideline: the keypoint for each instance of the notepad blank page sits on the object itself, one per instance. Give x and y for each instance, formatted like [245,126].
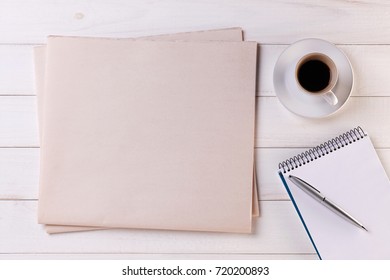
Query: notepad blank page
[354,179]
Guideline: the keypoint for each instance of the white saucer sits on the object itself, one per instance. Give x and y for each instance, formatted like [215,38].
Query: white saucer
[287,89]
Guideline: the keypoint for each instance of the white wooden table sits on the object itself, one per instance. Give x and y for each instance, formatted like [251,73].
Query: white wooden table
[361,29]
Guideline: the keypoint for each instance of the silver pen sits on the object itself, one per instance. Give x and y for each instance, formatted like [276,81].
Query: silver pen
[312,191]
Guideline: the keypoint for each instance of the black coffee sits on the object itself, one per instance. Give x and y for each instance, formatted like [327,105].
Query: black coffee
[314,75]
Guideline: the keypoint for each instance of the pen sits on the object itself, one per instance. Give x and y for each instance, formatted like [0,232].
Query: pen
[316,194]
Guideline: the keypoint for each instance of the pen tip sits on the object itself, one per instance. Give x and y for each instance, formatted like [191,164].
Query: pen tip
[364,228]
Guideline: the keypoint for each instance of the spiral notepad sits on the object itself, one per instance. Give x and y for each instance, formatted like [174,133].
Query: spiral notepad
[348,171]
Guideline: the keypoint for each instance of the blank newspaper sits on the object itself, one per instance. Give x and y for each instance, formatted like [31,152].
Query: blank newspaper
[230,34]
[156,114]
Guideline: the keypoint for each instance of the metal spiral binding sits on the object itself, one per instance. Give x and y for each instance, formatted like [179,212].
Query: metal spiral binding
[328,147]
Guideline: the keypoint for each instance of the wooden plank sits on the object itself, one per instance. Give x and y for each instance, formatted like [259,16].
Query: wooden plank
[265,21]
[277,127]
[16,70]
[19,170]
[158,256]
[369,63]
[275,230]
[18,121]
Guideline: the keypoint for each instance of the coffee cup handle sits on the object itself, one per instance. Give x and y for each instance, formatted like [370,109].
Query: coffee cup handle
[331,98]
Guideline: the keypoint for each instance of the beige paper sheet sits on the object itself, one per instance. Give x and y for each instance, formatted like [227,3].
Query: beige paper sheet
[228,34]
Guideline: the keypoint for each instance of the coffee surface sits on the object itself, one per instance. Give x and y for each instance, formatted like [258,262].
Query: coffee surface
[314,75]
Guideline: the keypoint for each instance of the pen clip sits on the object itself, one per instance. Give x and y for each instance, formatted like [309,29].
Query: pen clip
[306,183]
[311,186]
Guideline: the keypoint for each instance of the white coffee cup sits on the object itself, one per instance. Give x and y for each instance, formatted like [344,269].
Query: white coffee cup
[316,75]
